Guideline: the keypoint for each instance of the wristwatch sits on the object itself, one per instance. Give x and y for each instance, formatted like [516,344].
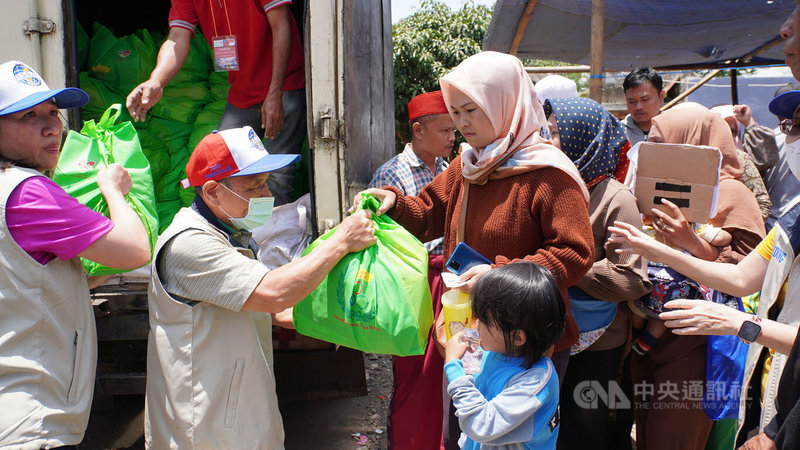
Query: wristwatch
[750,330]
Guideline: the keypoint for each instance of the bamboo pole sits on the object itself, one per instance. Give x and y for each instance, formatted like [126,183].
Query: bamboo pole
[672,83]
[595,79]
[686,93]
[558,69]
[522,26]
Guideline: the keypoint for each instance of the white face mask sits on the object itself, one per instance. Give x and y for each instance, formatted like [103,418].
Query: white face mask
[259,210]
[792,156]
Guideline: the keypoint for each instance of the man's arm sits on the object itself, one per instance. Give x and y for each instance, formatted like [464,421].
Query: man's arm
[272,108]
[287,285]
[759,142]
[171,57]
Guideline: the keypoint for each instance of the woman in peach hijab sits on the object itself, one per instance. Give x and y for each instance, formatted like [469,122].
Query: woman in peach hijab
[681,360]
[737,210]
[510,195]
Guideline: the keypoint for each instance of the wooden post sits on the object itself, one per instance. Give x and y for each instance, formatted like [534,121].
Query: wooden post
[522,25]
[595,79]
[734,88]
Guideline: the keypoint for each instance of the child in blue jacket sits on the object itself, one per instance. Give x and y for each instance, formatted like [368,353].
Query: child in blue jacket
[513,401]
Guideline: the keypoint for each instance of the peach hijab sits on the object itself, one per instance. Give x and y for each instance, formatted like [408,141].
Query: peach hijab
[499,85]
[694,124]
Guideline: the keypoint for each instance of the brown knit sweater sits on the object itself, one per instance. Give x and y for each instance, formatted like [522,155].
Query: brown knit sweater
[539,216]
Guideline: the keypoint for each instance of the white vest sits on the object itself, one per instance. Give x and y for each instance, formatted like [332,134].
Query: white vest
[783,267]
[48,343]
[208,383]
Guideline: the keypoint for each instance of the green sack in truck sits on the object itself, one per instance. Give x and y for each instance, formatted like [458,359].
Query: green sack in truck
[122,62]
[97,146]
[376,300]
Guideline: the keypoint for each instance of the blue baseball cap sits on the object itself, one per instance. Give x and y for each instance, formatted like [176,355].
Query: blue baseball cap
[22,88]
[785,104]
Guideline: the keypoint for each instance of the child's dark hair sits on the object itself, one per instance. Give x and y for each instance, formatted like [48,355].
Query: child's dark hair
[521,296]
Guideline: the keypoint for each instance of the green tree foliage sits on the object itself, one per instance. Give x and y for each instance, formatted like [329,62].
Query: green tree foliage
[427,45]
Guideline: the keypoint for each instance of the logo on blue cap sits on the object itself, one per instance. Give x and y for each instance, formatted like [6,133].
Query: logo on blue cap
[26,75]
[255,141]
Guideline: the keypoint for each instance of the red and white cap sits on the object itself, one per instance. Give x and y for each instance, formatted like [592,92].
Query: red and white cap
[232,153]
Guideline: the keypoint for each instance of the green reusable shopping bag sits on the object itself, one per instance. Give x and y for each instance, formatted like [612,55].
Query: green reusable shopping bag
[122,62]
[376,300]
[182,103]
[97,146]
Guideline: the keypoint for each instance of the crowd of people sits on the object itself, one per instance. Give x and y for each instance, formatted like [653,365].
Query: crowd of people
[592,316]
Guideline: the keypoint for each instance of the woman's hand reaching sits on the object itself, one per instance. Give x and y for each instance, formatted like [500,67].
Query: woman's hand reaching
[633,241]
[386,197]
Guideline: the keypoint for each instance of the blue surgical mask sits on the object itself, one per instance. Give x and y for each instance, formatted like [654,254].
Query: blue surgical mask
[259,210]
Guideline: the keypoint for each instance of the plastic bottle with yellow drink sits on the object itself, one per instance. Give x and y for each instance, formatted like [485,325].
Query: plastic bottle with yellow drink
[457,310]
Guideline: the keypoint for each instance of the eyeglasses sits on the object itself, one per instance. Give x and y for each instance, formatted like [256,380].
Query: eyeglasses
[789,127]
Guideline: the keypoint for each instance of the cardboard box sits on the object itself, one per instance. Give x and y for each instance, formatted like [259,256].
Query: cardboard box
[686,175]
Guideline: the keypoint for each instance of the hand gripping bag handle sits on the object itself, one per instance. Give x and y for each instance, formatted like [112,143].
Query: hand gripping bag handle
[103,131]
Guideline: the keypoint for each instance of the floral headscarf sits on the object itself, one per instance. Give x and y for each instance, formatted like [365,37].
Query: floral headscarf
[591,137]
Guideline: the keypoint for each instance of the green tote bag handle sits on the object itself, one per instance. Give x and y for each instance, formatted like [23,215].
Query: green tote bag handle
[104,130]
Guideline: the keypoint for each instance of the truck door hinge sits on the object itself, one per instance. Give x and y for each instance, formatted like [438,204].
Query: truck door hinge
[331,128]
[41,26]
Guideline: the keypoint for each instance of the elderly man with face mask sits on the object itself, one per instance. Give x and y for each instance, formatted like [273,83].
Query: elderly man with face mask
[208,381]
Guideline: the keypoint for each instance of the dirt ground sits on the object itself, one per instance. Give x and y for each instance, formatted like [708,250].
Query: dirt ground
[341,424]
[346,424]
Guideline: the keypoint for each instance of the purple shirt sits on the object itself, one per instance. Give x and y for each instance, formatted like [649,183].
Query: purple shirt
[48,223]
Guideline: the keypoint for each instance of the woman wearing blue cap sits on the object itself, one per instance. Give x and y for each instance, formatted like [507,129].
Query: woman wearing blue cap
[48,347]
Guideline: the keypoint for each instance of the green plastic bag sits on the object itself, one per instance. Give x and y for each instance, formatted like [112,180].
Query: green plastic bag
[182,103]
[122,62]
[97,146]
[376,300]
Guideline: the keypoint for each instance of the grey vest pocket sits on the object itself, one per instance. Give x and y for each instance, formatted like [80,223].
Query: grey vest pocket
[72,394]
[233,393]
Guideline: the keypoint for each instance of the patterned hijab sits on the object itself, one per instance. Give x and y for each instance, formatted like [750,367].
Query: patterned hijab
[694,124]
[499,85]
[591,137]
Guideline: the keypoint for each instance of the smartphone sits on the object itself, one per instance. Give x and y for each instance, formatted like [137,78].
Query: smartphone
[464,258]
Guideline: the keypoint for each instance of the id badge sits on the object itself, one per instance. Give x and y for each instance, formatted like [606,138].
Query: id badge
[226,57]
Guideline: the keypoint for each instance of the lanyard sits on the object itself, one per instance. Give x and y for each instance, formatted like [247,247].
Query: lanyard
[224,5]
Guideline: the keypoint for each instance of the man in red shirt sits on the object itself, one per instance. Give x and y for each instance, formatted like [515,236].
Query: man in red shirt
[258,43]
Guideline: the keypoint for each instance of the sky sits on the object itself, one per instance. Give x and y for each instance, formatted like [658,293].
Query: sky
[404,8]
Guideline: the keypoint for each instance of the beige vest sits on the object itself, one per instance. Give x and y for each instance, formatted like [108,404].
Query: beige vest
[48,344]
[783,267]
[208,383]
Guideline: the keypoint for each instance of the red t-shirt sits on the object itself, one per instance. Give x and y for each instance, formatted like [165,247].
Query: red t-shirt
[248,22]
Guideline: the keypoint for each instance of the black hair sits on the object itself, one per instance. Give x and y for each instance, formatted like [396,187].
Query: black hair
[638,76]
[521,296]
[423,120]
